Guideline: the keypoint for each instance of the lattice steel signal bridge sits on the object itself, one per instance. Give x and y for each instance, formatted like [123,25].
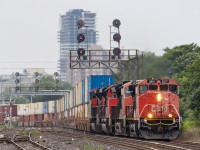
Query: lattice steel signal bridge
[102,59]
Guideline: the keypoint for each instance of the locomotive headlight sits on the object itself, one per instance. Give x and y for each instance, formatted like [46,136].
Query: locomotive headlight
[159,97]
[170,115]
[149,115]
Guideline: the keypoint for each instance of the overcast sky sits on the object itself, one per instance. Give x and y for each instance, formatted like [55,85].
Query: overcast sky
[28,28]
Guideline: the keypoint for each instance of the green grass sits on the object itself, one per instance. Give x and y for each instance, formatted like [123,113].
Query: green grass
[190,131]
[36,132]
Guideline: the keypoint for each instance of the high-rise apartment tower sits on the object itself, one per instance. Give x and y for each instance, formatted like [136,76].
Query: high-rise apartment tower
[68,40]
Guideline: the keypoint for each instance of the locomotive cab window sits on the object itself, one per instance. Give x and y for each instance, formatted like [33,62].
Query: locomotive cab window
[143,89]
[164,87]
[153,87]
[127,92]
[173,88]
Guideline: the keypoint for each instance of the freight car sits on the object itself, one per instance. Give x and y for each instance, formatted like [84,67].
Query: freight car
[147,109]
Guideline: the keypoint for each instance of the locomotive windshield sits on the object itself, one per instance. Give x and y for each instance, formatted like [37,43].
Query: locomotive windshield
[163,87]
[143,89]
[153,87]
[173,88]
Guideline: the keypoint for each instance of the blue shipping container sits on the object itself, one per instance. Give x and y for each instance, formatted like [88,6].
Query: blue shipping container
[98,81]
[45,107]
[83,91]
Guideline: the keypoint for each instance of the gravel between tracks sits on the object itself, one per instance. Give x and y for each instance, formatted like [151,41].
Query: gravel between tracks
[58,142]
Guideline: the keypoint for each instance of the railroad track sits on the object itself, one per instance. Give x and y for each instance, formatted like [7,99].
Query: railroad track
[24,142]
[132,143]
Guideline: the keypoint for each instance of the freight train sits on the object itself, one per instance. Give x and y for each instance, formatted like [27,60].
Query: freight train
[146,108]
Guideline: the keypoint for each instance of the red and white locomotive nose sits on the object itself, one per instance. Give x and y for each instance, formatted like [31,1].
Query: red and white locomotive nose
[159,109]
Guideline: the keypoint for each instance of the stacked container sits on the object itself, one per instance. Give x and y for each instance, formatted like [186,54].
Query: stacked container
[20,111]
[39,114]
[46,110]
[31,114]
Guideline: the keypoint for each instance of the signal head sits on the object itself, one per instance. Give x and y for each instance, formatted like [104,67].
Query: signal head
[80,37]
[116,51]
[55,73]
[17,88]
[36,81]
[36,74]
[17,74]
[80,23]
[117,37]
[81,52]
[116,23]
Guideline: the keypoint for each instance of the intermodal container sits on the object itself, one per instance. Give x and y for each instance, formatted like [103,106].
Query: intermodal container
[86,90]
[1,118]
[26,109]
[78,93]
[46,117]
[83,91]
[45,107]
[51,106]
[14,110]
[58,103]
[70,103]
[98,81]
[55,106]
[20,109]
[38,108]
[32,118]
[5,109]
[31,108]
[62,104]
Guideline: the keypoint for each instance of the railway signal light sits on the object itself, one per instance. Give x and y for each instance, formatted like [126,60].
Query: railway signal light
[80,23]
[81,52]
[116,51]
[36,81]
[117,37]
[17,74]
[17,88]
[81,38]
[55,73]
[36,74]
[116,23]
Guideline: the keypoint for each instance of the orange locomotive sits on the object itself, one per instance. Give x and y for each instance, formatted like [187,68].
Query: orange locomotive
[147,109]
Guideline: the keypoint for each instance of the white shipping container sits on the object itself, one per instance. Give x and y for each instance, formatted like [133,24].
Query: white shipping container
[79,94]
[26,109]
[87,110]
[80,111]
[62,104]
[86,91]
[20,109]
[51,106]
[31,108]
[71,100]
[38,108]
[76,112]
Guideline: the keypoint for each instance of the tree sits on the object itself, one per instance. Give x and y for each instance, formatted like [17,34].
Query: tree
[49,83]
